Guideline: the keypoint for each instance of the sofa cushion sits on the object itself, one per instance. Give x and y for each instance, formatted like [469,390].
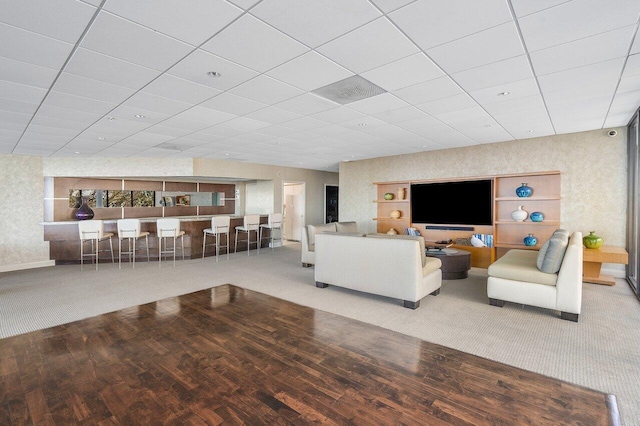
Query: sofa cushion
[312,230]
[347,227]
[406,237]
[520,265]
[552,252]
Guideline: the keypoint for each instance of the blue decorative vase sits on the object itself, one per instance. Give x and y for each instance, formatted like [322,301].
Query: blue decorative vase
[530,240]
[536,217]
[84,212]
[524,191]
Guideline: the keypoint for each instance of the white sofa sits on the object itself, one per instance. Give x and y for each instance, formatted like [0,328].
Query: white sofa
[379,264]
[309,233]
[516,277]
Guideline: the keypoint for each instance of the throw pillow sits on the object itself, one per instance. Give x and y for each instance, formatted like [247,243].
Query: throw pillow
[348,227]
[552,252]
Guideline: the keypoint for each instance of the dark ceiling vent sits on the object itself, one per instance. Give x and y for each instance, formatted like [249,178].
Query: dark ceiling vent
[351,89]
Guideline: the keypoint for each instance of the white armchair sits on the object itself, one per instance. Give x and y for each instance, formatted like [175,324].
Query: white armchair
[516,277]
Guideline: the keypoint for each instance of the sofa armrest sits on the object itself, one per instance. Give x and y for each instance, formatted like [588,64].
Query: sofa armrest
[569,285]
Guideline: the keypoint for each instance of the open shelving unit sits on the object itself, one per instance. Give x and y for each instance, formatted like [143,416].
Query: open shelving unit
[507,233]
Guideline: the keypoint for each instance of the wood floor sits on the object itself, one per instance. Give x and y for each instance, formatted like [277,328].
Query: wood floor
[233,356]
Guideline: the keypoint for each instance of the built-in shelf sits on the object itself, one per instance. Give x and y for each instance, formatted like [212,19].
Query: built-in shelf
[529,223]
[391,201]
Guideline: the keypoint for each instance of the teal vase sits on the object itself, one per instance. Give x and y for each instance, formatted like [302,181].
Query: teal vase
[524,191]
[530,240]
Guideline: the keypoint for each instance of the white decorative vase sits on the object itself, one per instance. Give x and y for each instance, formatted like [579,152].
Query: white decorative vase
[400,193]
[519,215]
[392,232]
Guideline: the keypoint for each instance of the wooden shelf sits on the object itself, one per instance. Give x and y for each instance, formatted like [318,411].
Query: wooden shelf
[391,218]
[528,223]
[519,246]
[390,201]
[533,198]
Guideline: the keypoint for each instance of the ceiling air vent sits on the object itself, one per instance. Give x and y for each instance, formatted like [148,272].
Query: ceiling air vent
[173,147]
[349,90]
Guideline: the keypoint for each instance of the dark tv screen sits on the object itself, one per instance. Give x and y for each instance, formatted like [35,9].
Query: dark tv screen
[452,203]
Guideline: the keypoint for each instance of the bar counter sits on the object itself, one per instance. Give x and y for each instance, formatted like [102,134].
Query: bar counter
[64,238]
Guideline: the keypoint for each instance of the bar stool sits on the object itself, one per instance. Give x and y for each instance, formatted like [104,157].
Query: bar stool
[274,222]
[130,229]
[93,231]
[251,223]
[169,228]
[219,226]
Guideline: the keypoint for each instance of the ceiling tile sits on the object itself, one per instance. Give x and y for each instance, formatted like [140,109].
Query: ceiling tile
[526,7]
[266,90]
[306,104]
[22,93]
[428,91]
[26,74]
[629,84]
[94,65]
[404,72]
[588,74]
[578,93]
[506,71]
[78,103]
[33,48]
[575,20]
[632,67]
[492,45]
[448,104]
[253,44]
[162,105]
[273,115]
[193,24]
[516,89]
[514,105]
[635,47]
[378,104]
[93,89]
[586,51]
[338,115]
[315,23]
[134,43]
[431,23]
[17,106]
[309,72]
[244,4]
[233,104]
[180,90]
[390,5]
[399,115]
[65,20]
[196,66]
[375,44]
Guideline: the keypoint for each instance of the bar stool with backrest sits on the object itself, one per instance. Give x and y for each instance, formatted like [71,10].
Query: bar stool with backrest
[219,226]
[93,231]
[169,228]
[251,223]
[130,230]
[274,223]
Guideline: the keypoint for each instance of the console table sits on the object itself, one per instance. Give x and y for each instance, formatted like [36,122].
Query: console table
[594,258]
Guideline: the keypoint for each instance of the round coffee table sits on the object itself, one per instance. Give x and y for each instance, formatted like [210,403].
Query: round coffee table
[455,263]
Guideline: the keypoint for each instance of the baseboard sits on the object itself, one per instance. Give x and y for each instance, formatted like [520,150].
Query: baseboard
[30,265]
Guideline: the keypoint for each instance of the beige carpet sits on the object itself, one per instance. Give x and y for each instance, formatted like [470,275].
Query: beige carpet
[602,351]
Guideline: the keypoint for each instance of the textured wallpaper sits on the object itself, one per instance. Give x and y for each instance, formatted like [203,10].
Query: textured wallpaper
[22,189]
[592,166]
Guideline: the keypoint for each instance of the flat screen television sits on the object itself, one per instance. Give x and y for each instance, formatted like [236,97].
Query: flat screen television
[452,203]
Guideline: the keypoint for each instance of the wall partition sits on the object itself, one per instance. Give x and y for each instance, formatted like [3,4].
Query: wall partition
[633,207]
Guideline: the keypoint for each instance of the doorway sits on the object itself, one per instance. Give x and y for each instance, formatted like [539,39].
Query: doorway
[293,210]
[330,203]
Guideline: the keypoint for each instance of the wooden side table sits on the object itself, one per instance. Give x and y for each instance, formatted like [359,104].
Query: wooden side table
[594,258]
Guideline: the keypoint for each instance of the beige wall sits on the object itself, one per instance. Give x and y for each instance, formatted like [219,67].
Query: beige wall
[22,242]
[592,167]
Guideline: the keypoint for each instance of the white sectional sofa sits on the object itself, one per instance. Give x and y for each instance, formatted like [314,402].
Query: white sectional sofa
[391,266]
[309,233]
[526,276]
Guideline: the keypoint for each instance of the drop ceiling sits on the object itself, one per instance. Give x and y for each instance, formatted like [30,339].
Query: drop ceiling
[121,78]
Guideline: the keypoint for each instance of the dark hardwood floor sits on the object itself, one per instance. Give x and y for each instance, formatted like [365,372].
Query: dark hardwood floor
[229,355]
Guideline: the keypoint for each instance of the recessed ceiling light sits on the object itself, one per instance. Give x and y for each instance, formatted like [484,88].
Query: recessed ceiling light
[111,118]
[280,142]
[214,74]
[100,138]
[504,93]
[487,125]
[362,124]
[139,116]
[77,152]
[529,131]
[226,154]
